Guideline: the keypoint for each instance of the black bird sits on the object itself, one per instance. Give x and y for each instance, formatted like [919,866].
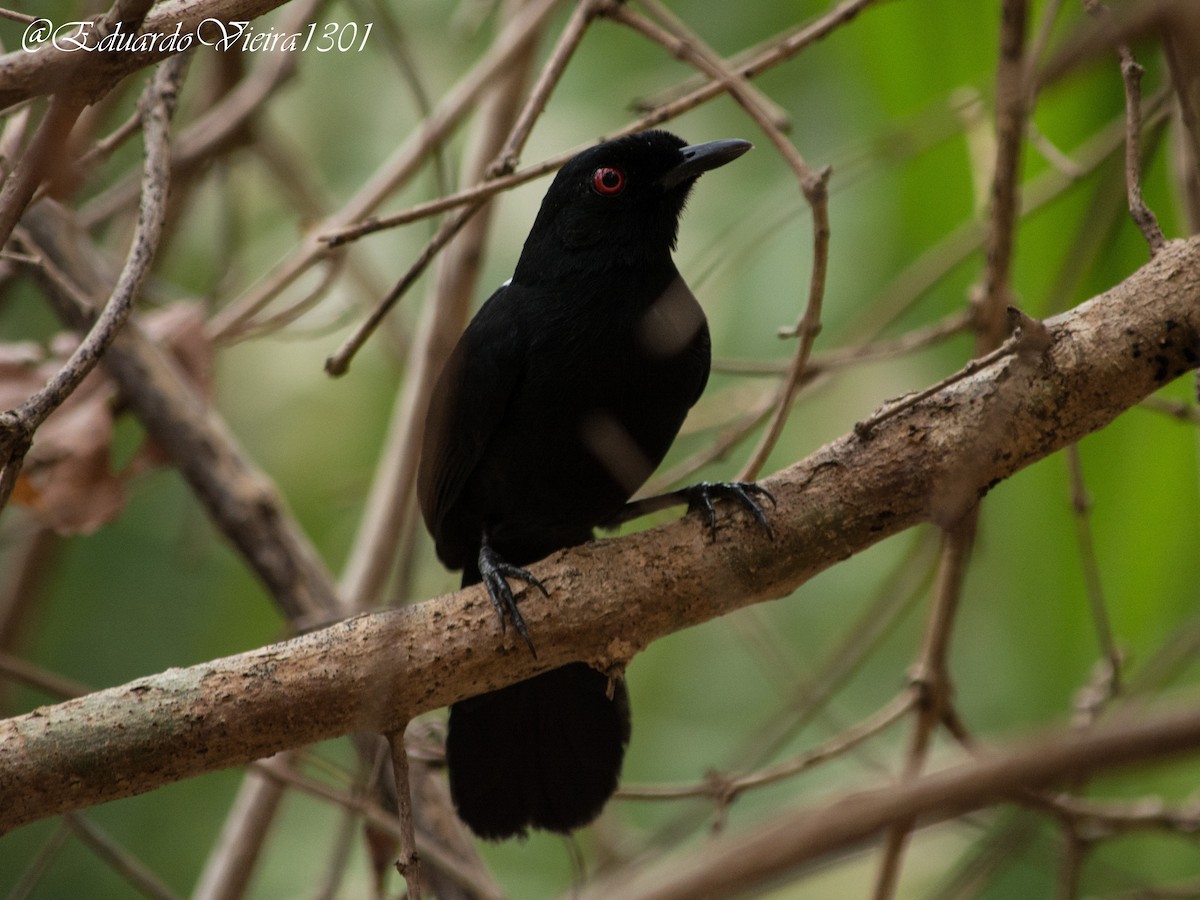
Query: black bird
[562,396]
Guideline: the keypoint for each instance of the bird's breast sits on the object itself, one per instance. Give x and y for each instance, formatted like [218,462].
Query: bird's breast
[670,324]
[606,387]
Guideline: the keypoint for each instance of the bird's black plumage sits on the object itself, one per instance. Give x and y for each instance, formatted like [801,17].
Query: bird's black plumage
[562,396]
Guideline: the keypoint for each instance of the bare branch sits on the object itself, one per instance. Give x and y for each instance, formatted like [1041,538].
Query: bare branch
[1131,77]
[230,864]
[568,42]
[930,678]
[409,863]
[1012,110]
[1081,505]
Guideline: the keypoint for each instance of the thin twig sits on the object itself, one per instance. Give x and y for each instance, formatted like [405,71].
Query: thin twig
[338,363]
[777,116]
[1041,39]
[568,42]
[108,145]
[37,865]
[1131,78]
[409,862]
[120,860]
[806,329]
[1102,687]
[725,790]
[1070,870]
[1081,506]
[1052,154]
[235,851]
[1177,409]
[1012,111]
[29,565]
[1098,818]
[15,16]
[25,672]
[912,341]
[930,679]
[483,190]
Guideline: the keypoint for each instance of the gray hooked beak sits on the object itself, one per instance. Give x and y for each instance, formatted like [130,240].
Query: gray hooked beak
[699,158]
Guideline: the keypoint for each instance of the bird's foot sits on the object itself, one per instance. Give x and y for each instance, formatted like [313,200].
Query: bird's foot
[495,571]
[700,497]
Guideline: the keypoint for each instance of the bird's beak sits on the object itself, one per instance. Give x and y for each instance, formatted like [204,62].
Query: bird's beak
[699,158]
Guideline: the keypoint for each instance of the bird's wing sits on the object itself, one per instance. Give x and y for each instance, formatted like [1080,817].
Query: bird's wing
[468,402]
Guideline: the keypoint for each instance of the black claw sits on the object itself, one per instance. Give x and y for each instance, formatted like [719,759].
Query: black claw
[495,572]
[700,497]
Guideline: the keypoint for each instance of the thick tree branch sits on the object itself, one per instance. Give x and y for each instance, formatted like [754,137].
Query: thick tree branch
[611,598]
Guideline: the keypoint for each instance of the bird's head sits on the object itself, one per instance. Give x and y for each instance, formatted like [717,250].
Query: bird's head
[618,204]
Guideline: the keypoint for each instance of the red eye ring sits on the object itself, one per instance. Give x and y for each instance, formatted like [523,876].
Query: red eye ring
[608,181]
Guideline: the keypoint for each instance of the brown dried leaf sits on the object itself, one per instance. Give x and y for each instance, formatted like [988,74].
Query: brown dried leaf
[68,476]
[68,479]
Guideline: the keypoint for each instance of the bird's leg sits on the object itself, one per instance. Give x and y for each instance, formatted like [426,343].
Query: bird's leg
[495,571]
[700,496]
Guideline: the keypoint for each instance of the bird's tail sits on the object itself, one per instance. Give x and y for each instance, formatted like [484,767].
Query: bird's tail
[543,753]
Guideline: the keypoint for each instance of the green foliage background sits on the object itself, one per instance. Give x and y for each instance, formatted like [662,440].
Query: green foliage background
[877,101]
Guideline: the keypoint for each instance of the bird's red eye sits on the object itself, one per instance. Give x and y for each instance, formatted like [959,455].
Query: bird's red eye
[608,181]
